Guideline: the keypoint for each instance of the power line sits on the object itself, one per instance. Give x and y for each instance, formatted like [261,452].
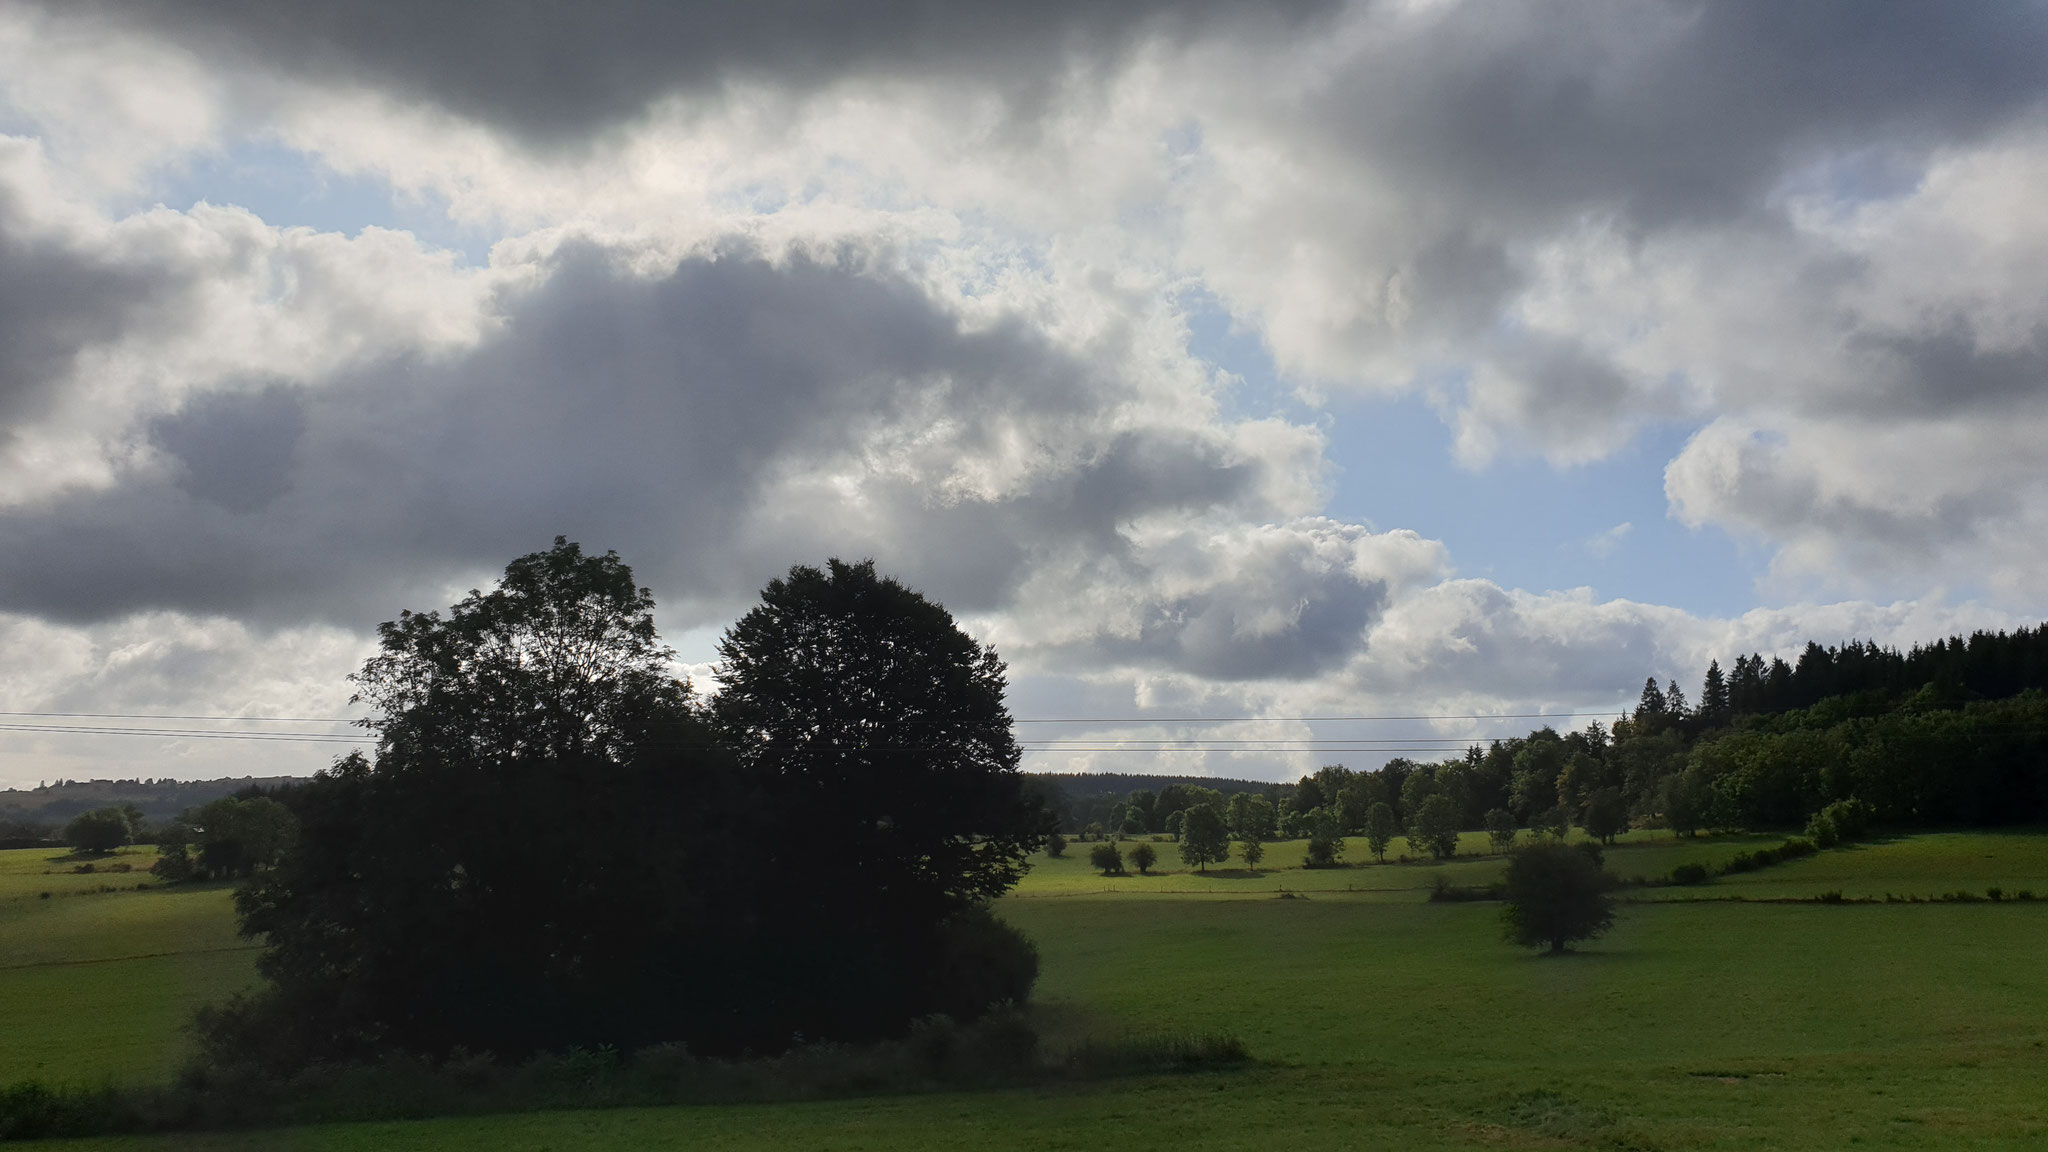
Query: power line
[1119,720]
[167,716]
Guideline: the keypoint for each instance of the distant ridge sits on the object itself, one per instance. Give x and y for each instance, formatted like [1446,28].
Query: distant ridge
[58,802]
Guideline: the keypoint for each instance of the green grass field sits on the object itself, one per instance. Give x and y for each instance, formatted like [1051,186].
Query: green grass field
[97,985]
[1380,1019]
[27,873]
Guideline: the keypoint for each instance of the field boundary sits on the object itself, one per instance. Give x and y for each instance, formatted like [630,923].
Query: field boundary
[137,956]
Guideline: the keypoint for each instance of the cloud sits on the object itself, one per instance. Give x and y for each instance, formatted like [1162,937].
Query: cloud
[1603,544]
[560,76]
[781,283]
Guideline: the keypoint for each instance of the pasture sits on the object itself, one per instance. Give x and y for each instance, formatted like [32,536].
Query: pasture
[1379,1019]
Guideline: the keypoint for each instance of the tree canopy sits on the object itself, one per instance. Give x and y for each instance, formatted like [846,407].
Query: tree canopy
[555,845]
[1556,893]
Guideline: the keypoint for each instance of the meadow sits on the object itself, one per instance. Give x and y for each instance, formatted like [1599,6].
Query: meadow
[1378,1018]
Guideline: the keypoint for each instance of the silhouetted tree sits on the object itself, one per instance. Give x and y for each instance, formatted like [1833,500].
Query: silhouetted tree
[1556,893]
[99,831]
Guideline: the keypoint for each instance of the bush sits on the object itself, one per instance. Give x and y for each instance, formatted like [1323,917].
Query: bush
[1842,822]
[1821,829]
[1144,856]
[99,831]
[1055,845]
[1689,874]
[983,963]
[1107,857]
[1325,844]
[174,865]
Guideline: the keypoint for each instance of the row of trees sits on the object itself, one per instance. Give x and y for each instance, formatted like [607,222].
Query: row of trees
[1949,733]
[557,844]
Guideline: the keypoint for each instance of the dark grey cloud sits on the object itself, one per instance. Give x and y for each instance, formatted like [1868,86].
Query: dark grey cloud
[660,417]
[1943,370]
[557,72]
[56,301]
[1684,111]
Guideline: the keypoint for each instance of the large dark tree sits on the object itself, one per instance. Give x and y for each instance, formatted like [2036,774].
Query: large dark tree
[877,727]
[537,857]
[1556,893]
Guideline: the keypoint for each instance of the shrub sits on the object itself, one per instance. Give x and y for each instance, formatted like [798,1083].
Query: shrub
[1842,822]
[983,962]
[1253,852]
[1821,829]
[1144,856]
[1107,857]
[1689,874]
[1055,845]
[99,831]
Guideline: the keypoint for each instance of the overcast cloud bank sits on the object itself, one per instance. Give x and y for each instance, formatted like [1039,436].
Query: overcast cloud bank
[773,288]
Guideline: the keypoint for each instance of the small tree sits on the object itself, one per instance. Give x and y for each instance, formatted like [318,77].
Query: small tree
[99,831]
[1325,843]
[1500,829]
[1253,852]
[1174,822]
[1093,831]
[1107,857]
[1144,857]
[1436,827]
[1556,893]
[1055,845]
[1203,839]
[1606,815]
[1381,825]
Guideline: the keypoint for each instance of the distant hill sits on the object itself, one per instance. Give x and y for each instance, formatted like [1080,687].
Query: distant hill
[53,805]
[1086,797]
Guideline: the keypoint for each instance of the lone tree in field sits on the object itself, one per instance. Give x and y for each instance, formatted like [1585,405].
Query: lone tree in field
[1325,847]
[99,831]
[1381,826]
[1203,838]
[1144,856]
[1253,852]
[1108,857]
[1556,893]
[1435,829]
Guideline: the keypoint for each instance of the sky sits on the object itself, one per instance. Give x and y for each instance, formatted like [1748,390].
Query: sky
[1229,367]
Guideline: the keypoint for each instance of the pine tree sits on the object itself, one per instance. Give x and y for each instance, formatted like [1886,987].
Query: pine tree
[1714,700]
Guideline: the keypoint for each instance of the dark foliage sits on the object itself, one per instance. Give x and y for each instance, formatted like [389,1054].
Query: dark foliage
[1556,893]
[100,830]
[554,848]
[1000,1050]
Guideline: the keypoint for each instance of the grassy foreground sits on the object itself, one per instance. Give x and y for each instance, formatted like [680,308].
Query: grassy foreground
[1384,1021]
